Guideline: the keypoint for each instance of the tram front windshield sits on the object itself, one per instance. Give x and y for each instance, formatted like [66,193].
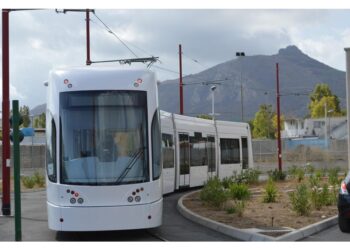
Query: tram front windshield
[103,137]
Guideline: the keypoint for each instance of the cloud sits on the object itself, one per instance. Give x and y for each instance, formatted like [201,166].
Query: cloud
[42,40]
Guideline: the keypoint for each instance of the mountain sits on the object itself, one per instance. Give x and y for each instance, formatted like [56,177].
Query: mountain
[298,74]
[38,110]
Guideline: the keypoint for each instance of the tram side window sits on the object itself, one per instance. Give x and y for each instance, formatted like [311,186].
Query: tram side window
[198,150]
[229,151]
[51,164]
[156,146]
[168,151]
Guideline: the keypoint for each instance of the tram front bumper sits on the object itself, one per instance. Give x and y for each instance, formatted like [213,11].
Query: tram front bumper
[105,218]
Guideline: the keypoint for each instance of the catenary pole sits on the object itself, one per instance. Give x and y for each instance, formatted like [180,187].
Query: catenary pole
[180,82]
[279,144]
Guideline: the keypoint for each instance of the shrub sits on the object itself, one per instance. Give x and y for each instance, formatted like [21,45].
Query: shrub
[333,178]
[292,171]
[300,174]
[270,192]
[39,179]
[326,196]
[239,191]
[252,176]
[226,182]
[248,176]
[28,181]
[300,200]
[316,198]
[213,193]
[239,207]
[310,169]
[277,175]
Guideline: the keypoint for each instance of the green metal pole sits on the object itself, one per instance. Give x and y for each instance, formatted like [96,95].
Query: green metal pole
[17,178]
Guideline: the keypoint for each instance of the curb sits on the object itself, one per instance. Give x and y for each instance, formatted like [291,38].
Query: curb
[246,234]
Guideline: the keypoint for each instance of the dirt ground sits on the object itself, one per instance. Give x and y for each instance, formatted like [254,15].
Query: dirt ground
[262,215]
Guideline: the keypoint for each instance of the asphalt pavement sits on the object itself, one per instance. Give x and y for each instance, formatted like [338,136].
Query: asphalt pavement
[34,225]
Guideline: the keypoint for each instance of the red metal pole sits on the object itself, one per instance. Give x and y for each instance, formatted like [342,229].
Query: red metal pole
[279,147]
[88,61]
[6,202]
[181,84]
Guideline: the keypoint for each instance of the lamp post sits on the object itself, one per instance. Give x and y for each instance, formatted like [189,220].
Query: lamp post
[213,88]
[241,54]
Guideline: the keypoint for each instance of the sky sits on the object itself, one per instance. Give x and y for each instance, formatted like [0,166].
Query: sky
[41,40]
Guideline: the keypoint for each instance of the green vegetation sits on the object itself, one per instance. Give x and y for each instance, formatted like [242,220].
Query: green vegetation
[205,116]
[277,175]
[24,112]
[300,200]
[214,193]
[36,179]
[320,97]
[271,192]
[28,181]
[264,124]
[239,191]
[40,122]
[248,176]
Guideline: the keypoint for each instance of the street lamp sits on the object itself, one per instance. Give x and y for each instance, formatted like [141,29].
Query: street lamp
[241,54]
[213,88]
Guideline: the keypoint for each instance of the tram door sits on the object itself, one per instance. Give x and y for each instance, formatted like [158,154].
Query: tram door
[184,160]
[245,153]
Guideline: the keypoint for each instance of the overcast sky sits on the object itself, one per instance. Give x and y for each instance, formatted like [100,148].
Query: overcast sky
[42,40]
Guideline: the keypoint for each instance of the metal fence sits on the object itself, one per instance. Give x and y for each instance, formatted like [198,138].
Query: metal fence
[301,152]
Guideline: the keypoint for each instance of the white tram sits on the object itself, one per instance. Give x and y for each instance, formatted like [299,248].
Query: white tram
[105,147]
[195,150]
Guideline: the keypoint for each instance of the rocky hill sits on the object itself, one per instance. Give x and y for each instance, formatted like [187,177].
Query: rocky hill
[298,75]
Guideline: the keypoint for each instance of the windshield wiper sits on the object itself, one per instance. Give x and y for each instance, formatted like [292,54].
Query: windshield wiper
[130,164]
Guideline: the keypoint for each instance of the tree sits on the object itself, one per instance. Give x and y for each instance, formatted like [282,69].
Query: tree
[274,123]
[322,97]
[262,123]
[40,122]
[24,112]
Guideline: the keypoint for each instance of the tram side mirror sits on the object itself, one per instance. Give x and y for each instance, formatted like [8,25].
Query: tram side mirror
[21,134]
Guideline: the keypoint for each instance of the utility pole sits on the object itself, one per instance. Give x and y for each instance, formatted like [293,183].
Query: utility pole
[180,82]
[279,144]
[6,201]
[88,61]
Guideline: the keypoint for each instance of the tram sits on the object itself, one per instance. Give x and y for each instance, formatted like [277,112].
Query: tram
[111,154]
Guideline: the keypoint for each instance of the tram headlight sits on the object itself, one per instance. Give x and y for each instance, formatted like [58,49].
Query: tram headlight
[130,199]
[73,200]
[138,198]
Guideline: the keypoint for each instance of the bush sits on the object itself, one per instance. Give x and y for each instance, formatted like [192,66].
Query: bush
[231,210]
[333,178]
[213,192]
[39,179]
[300,200]
[316,198]
[248,176]
[239,191]
[239,207]
[226,182]
[277,175]
[300,174]
[28,181]
[292,171]
[270,192]
[326,196]
[310,169]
